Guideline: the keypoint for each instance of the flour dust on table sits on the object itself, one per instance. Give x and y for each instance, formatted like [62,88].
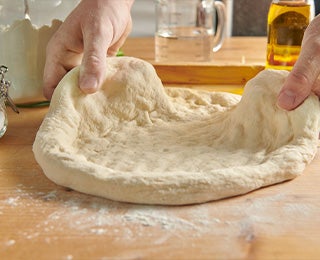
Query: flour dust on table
[136,141]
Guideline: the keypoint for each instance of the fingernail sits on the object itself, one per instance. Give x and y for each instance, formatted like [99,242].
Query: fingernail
[287,99]
[89,84]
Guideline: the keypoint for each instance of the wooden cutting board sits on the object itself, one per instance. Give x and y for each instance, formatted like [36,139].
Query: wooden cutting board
[240,59]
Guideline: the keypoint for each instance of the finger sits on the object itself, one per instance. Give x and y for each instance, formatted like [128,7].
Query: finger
[55,68]
[53,73]
[59,60]
[113,49]
[305,72]
[96,39]
[295,90]
[316,87]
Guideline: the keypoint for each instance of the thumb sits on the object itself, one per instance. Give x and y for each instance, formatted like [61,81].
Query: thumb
[303,77]
[295,90]
[93,64]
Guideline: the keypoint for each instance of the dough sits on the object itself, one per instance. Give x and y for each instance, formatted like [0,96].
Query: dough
[136,141]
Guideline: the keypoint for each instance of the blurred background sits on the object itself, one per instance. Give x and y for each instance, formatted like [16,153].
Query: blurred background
[246,17]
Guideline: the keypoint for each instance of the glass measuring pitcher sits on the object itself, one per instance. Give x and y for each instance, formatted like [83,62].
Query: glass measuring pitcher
[188,30]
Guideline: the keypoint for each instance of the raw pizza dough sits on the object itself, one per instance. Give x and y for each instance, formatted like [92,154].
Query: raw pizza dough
[136,141]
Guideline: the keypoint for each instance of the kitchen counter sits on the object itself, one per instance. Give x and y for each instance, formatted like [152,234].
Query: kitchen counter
[40,220]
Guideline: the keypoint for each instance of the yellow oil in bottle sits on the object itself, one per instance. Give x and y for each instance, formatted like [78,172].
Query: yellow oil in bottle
[287,21]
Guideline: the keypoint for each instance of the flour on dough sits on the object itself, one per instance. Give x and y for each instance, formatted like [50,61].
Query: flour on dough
[136,141]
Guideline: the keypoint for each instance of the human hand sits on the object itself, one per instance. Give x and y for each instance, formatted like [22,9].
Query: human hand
[304,77]
[94,30]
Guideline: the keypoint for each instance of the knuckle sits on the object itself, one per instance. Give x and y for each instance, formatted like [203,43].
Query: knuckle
[93,62]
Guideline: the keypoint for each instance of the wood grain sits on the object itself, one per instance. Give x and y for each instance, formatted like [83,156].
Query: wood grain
[240,59]
[40,220]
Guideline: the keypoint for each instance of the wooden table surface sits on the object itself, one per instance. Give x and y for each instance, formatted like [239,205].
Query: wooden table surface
[40,220]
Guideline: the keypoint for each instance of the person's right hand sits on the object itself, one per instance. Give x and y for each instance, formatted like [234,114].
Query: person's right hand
[304,77]
[93,30]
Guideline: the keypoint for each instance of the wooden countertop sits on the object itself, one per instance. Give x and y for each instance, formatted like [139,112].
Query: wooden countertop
[40,220]
[239,59]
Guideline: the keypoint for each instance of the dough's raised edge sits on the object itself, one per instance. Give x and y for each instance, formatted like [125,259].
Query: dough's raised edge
[156,189]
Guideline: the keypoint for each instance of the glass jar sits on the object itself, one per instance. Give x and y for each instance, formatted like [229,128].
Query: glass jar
[287,21]
[3,117]
[4,97]
[25,29]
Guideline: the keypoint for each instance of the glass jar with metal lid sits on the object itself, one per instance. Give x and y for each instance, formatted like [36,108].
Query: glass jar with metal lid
[5,98]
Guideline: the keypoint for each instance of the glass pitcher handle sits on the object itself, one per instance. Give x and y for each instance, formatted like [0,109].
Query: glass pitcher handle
[221,26]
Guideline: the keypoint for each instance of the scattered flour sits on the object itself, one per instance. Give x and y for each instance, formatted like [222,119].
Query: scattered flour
[83,214]
[10,242]
[12,201]
[239,221]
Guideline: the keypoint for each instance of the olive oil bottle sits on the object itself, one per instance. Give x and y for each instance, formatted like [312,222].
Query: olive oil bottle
[287,21]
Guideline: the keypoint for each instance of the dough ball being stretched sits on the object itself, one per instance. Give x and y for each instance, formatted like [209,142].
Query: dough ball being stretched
[136,141]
